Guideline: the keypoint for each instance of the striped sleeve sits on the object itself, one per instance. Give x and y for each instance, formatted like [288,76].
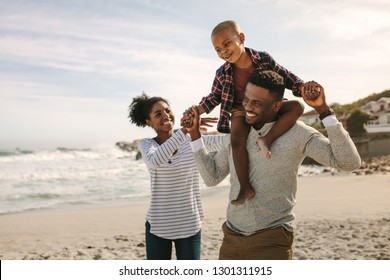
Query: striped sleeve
[155,155]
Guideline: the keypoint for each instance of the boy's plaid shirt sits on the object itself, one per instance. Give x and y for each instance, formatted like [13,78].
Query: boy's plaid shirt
[222,91]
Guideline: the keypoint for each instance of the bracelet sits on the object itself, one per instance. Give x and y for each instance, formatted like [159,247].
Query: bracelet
[326,113]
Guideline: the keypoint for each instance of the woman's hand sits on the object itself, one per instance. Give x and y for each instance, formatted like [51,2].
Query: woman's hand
[191,122]
[188,119]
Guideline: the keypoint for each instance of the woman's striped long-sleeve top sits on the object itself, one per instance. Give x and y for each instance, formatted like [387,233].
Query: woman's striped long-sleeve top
[175,209]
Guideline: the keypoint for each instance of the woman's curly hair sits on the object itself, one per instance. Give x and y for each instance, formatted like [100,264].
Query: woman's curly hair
[140,108]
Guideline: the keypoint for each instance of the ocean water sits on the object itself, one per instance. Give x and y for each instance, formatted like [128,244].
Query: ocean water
[65,177]
[55,178]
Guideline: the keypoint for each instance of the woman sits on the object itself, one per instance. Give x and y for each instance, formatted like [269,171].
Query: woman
[175,213]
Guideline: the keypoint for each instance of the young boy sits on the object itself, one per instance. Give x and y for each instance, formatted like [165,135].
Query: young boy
[228,91]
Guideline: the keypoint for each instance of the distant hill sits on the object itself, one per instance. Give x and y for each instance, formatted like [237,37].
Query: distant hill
[349,108]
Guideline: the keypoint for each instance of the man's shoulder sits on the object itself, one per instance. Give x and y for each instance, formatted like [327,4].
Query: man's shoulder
[301,126]
[299,130]
[302,131]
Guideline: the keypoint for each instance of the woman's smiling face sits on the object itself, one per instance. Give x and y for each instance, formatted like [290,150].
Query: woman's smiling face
[161,118]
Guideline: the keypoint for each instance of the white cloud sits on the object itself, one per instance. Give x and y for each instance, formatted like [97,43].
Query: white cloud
[340,20]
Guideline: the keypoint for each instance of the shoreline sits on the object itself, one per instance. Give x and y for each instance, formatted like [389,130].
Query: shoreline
[337,217]
[377,165]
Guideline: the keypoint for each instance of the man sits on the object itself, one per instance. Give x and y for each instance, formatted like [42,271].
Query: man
[262,228]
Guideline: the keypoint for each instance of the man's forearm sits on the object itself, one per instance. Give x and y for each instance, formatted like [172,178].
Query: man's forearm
[344,151]
[212,172]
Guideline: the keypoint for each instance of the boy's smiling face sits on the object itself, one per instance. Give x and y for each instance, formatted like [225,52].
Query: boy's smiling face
[229,44]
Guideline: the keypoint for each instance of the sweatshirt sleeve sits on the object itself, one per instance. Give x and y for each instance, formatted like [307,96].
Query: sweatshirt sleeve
[212,167]
[338,150]
[213,142]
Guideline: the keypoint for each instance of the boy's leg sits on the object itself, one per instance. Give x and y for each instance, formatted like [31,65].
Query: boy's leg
[289,113]
[238,135]
[263,146]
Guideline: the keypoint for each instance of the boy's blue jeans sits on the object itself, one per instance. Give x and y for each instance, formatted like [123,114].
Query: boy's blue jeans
[158,248]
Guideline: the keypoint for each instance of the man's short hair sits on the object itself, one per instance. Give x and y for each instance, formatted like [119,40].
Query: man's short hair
[269,80]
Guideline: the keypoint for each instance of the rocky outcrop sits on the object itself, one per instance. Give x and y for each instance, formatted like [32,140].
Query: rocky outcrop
[130,147]
[375,165]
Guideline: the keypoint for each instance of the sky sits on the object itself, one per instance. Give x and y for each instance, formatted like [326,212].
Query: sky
[69,69]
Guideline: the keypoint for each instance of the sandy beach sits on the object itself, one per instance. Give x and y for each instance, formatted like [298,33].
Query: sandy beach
[337,217]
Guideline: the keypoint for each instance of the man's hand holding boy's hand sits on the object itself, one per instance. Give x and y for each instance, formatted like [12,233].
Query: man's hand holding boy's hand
[191,122]
[315,96]
[188,116]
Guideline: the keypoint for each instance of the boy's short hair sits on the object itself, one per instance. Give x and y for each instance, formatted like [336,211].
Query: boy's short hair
[269,80]
[227,24]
